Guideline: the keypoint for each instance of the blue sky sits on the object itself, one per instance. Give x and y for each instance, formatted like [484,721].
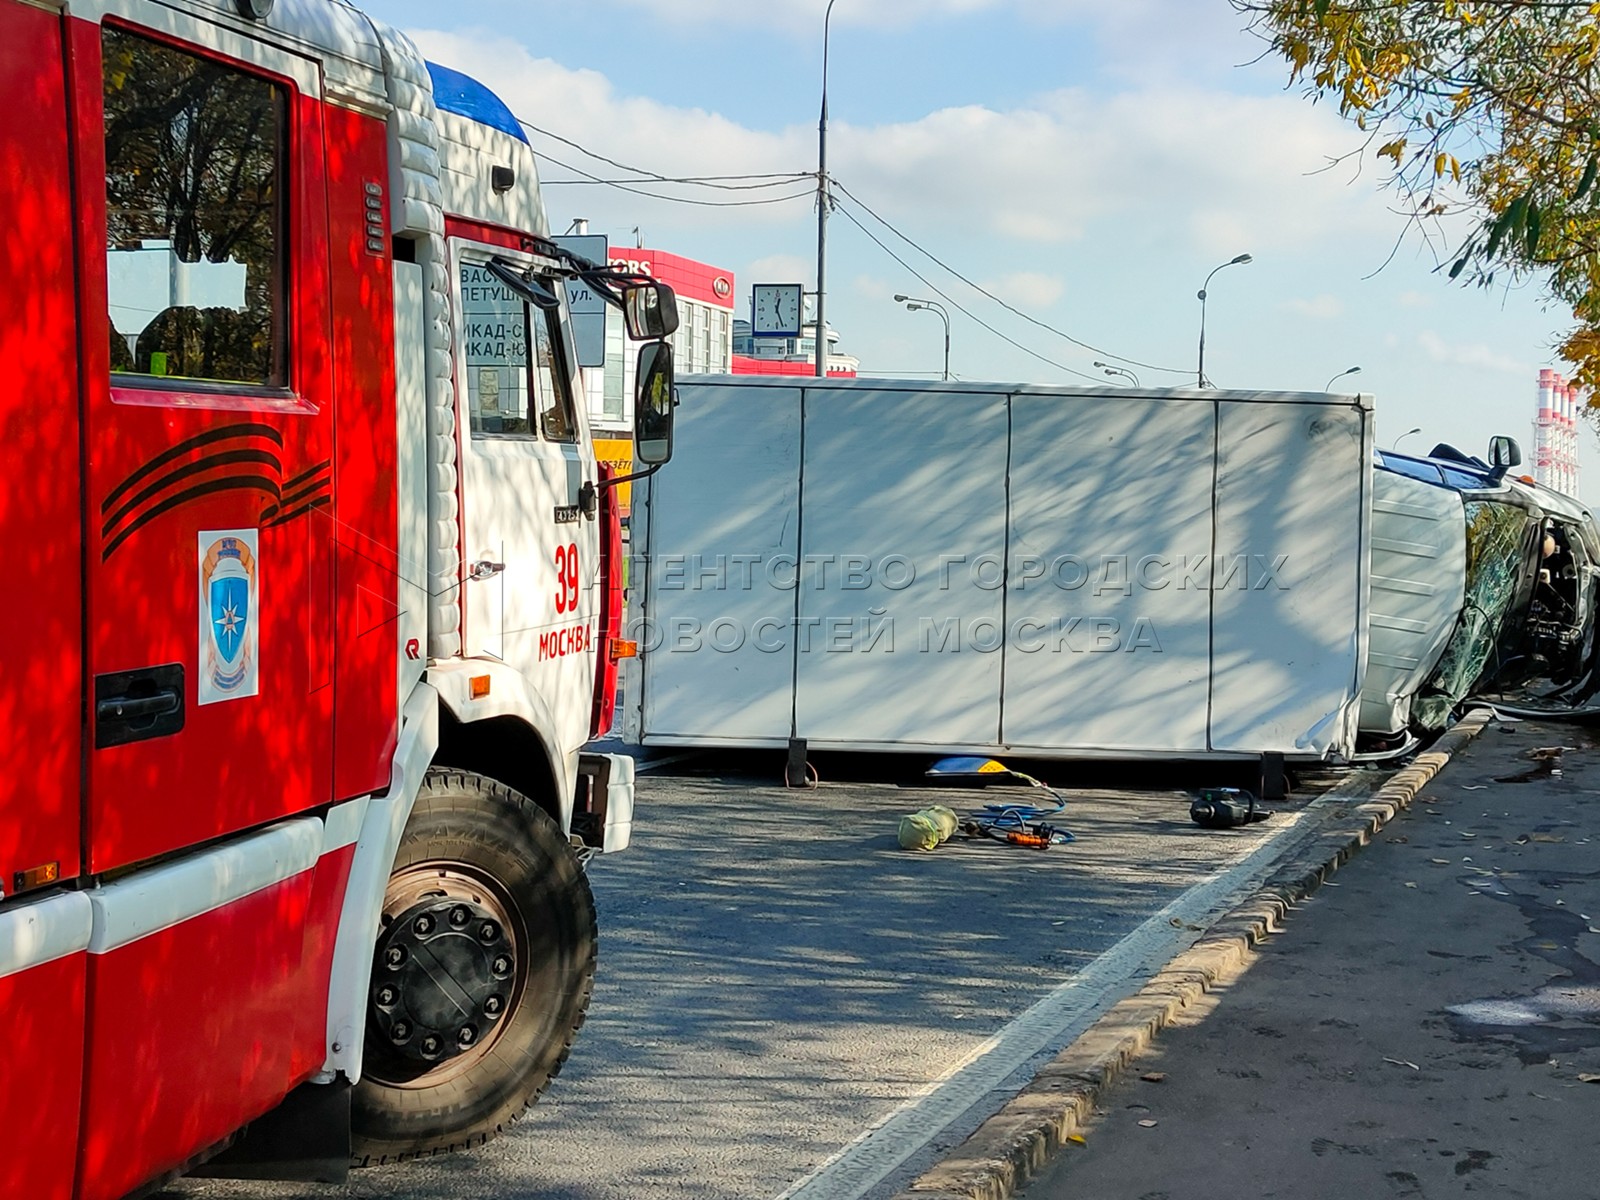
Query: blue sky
[1088,162]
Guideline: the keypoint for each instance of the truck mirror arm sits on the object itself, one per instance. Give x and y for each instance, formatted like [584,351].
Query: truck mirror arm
[608,281]
[644,474]
[524,285]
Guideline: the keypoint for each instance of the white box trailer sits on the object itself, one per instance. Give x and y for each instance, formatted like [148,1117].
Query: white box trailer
[1056,572]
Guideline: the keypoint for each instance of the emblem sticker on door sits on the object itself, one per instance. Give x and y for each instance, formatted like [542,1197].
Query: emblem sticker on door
[230,605]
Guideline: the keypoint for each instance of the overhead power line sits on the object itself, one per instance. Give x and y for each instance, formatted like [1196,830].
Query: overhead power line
[771,180]
[591,178]
[779,181]
[952,301]
[1002,303]
[712,181]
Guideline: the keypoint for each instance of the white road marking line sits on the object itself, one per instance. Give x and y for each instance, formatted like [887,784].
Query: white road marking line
[1056,1020]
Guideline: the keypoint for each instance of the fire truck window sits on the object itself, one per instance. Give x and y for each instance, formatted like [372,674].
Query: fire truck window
[194,216]
[556,419]
[495,351]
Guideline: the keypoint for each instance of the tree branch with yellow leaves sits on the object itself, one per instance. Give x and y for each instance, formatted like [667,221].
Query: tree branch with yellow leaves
[1481,108]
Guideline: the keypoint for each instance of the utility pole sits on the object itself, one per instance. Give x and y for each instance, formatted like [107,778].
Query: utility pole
[821,338]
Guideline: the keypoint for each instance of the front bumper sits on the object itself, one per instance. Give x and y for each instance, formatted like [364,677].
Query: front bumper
[602,814]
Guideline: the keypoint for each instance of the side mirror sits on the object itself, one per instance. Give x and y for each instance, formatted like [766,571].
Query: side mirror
[650,310]
[652,405]
[1504,453]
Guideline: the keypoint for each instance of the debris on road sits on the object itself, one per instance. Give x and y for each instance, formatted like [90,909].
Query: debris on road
[1225,808]
[1014,824]
[1546,762]
[927,828]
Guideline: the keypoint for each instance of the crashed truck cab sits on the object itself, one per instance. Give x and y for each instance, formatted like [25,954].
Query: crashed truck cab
[1484,584]
[324,583]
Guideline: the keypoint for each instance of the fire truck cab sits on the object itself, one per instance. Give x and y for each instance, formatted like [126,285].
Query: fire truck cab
[319,587]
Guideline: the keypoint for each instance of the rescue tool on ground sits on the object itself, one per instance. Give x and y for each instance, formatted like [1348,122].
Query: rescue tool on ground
[321,592]
[1014,824]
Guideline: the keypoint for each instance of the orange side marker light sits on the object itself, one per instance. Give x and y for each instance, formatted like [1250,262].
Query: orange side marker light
[36,876]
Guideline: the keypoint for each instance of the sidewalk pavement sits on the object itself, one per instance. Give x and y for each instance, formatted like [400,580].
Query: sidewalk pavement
[1427,1024]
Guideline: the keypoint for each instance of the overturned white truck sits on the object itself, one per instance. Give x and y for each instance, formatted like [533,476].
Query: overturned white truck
[1069,572]
[1055,572]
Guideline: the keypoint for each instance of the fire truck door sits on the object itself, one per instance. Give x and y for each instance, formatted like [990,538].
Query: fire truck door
[204,319]
[531,551]
[42,937]
[208,426]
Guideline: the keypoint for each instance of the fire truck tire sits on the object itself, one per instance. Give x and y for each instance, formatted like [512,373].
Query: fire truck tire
[486,891]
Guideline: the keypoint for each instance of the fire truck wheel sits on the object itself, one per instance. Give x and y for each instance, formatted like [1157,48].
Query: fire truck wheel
[482,973]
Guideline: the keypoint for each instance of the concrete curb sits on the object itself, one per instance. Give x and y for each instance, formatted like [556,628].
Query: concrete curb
[1012,1146]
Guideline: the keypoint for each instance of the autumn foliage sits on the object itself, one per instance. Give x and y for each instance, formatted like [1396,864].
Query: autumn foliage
[1484,114]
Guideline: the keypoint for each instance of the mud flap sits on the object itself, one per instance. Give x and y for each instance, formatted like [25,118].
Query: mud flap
[306,1139]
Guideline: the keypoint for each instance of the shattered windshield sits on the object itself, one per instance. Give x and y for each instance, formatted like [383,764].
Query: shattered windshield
[1497,536]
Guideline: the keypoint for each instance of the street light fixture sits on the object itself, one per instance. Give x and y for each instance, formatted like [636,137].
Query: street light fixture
[1404,436]
[1110,370]
[1341,375]
[1200,371]
[915,305]
[822,208]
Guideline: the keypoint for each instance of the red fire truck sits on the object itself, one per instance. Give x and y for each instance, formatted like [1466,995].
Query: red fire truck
[318,586]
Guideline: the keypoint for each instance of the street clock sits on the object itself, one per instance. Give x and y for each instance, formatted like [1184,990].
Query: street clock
[776,309]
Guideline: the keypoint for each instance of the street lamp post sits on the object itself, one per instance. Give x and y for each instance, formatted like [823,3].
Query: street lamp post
[1404,436]
[1200,371]
[1341,375]
[914,305]
[822,208]
[1110,370]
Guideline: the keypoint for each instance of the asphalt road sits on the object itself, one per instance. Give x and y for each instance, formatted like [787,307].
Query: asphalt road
[777,976]
[1427,1025]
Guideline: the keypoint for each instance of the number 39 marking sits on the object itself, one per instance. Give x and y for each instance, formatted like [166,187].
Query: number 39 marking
[567,578]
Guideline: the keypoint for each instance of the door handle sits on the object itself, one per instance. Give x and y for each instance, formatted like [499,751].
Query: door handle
[483,569]
[138,708]
[131,706]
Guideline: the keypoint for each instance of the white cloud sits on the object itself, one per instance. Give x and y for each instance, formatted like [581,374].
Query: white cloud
[1441,351]
[1027,289]
[874,287]
[781,268]
[1140,27]
[1318,308]
[1230,169]
[1411,299]
[584,107]
[806,16]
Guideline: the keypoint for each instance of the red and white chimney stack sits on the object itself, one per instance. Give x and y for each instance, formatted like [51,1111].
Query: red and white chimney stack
[1555,434]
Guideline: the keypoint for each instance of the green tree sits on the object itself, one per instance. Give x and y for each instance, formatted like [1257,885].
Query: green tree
[1484,113]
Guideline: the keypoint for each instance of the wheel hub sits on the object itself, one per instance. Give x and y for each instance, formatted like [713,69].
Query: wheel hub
[442,978]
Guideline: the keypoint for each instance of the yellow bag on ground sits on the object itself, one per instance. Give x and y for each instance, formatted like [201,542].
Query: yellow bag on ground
[924,830]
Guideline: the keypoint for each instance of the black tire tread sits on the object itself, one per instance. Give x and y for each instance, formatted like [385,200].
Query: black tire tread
[460,785]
